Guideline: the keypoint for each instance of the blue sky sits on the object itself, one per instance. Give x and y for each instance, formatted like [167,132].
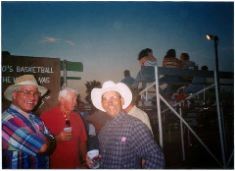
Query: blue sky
[107,36]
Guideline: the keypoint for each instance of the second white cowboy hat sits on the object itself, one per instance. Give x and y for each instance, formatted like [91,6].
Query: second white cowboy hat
[121,88]
[20,81]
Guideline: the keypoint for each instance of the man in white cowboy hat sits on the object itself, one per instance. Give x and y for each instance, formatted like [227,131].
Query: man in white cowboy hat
[26,142]
[124,141]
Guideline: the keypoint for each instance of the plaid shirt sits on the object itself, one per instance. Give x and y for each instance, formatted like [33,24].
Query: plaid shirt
[22,137]
[125,141]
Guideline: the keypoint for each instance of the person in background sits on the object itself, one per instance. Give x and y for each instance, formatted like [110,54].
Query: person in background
[92,142]
[98,119]
[173,82]
[70,132]
[26,142]
[146,57]
[136,112]
[124,140]
[186,63]
[146,74]
[198,83]
[128,79]
[170,60]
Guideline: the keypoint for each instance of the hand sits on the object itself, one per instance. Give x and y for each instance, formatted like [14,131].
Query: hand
[64,136]
[90,163]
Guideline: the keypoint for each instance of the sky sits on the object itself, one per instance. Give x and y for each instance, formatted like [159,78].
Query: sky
[107,36]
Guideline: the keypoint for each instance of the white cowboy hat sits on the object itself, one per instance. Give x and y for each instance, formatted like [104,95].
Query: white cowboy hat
[20,81]
[121,88]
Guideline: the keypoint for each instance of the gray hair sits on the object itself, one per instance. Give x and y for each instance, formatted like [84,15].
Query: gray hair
[65,91]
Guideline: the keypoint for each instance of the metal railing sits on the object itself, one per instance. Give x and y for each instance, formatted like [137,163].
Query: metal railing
[144,93]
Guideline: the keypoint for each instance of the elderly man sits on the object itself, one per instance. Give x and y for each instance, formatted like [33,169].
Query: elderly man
[69,130]
[124,141]
[25,139]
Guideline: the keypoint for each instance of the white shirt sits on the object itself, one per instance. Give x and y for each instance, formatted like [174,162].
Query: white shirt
[141,115]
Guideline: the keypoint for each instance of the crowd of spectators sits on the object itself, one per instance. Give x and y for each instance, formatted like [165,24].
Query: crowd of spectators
[169,84]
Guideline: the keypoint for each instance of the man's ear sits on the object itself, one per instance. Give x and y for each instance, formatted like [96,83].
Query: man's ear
[13,95]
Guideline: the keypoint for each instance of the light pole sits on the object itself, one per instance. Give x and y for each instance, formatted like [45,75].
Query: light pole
[217,92]
[216,39]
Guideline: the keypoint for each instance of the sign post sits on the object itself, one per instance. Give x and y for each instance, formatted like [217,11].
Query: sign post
[70,66]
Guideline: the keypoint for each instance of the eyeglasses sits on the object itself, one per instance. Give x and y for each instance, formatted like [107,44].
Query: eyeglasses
[29,93]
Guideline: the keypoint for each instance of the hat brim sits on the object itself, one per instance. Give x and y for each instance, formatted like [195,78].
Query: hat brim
[10,89]
[121,88]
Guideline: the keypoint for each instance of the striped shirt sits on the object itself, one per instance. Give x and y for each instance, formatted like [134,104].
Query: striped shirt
[22,138]
[125,141]
[171,62]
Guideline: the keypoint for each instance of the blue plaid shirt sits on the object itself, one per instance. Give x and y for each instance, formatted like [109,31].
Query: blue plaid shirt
[125,141]
[22,138]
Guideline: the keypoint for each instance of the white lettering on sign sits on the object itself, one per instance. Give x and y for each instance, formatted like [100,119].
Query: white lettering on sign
[44,80]
[8,80]
[7,68]
[46,70]
[11,80]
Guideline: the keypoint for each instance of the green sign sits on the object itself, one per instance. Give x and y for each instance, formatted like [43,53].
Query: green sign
[71,66]
[73,78]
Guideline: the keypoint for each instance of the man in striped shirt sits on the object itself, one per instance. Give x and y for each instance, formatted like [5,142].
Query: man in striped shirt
[25,139]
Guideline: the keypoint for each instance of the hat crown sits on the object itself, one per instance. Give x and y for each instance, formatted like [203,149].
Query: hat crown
[24,78]
[108,84]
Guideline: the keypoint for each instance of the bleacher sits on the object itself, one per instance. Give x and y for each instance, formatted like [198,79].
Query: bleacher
[193,126]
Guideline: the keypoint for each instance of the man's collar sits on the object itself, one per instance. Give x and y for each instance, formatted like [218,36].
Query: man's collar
[20,110]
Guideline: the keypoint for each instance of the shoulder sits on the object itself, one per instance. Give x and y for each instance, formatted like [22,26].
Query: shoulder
[132,122]
[7,116]
[123,80]
[51,109]
[136,127]
[137,111]
[76,116]
[49,113]
[10,119]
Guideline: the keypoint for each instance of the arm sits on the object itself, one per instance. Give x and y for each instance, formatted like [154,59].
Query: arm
[20,136]
[82,142]
[83,150]
[50,146]
[145,146]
